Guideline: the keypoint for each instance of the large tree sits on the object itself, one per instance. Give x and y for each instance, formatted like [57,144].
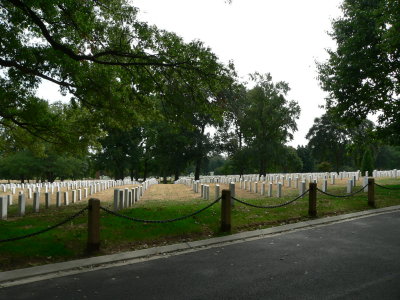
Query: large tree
[99,53]
[362,75]
[258,123]
[270,119]
[328,140]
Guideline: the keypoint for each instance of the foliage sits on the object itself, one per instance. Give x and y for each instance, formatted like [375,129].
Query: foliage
[20,166]
[289,161]
[258,123]
[305,154]
[324,167]
[328,139]
[361,139]
[362,74]
[387,157]
[24,157]
[100,54]
[367,162]
[270,118]
[24,165]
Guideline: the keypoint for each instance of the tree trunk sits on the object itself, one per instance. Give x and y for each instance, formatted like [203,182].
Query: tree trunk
[198,161]
[197,170]
[119,174]
[176,175]
[263,167]
[145,170]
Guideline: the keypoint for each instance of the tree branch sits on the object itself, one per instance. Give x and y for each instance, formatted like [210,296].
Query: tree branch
[13,64]
[94,58]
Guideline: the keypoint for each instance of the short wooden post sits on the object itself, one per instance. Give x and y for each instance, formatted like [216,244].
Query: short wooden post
[371,192]
[312,200]
[93,243]
[226,211]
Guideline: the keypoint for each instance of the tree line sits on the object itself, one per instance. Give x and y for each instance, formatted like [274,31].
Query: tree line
[145,103]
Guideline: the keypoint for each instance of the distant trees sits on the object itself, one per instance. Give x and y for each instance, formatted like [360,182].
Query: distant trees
[142,99]
[24,165]
[328,140]
[258,123]
[334,146]
[307,159]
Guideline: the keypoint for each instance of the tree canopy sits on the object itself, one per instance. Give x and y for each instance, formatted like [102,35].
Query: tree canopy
[103,56]
[259,122]
[362,75]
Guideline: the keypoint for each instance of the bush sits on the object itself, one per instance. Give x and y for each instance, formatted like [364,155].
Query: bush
[324,167]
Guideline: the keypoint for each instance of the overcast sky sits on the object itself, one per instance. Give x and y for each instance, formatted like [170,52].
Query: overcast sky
[282,37]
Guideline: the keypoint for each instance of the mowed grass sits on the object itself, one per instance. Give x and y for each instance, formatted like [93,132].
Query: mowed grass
[69,240]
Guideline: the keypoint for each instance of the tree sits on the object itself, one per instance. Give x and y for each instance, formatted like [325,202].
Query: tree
[324,167]
[289,161]
[387,157]
[361,139]
[269,119]
[119,151]
[99,53]
[362,75]
[257,124]
[20,166]
[229,137]
[171,147]
[305,154]
[328,140]
[367,162]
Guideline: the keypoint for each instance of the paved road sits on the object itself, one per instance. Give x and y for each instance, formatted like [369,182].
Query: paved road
[358,259]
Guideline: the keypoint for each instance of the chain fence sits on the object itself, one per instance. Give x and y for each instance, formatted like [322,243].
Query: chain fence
[70,218]
[109,211]
[271,206]
[387,188]
[342,196]
[158,221]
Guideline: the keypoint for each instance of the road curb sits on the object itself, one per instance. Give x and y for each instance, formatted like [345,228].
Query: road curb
[93,263]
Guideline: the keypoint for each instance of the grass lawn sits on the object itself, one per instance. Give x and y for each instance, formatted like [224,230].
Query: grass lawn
[69,240]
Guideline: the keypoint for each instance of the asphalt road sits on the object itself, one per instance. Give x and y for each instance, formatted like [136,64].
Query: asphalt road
[358,259]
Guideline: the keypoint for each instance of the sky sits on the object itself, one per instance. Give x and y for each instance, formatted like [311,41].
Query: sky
[281,37]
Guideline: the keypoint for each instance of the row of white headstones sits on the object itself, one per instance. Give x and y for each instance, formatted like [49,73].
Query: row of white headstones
[79,191]
[124,198]
[264,184]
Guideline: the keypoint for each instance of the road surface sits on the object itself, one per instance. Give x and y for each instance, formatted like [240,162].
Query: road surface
[357,259]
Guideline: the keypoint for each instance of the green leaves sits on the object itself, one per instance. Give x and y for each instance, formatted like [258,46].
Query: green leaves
[260,121]
[362,75]
[112,65]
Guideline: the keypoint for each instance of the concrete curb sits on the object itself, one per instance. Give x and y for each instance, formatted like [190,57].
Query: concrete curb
[93,263]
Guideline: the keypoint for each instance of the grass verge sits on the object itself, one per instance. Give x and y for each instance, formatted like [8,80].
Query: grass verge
[69,240]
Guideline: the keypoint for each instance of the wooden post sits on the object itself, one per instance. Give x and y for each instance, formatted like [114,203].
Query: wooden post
[312,200]
[371,192]
[93,243]
[226,211]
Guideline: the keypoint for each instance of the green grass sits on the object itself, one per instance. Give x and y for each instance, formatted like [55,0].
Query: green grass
[69,241]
